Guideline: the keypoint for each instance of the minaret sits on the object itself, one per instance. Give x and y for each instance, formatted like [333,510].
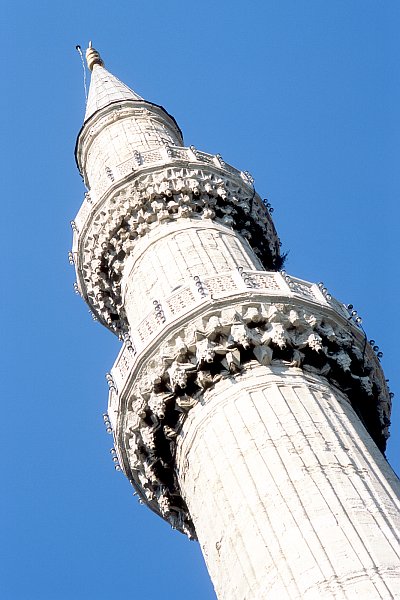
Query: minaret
[247,407]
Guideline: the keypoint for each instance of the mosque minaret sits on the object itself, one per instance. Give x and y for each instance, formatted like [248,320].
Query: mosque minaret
[246,405]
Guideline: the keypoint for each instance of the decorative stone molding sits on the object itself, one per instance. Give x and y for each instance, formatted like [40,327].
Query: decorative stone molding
[140,112]
[106,237]
[222,344]
[227,287]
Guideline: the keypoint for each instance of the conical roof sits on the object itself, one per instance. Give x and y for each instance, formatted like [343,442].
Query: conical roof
[105,89]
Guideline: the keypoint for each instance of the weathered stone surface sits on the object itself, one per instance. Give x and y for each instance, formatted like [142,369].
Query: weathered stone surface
[247,407]
[290,496]
[182,363]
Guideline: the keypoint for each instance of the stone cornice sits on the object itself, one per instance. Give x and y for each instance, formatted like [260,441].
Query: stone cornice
[106,232]
[220,340]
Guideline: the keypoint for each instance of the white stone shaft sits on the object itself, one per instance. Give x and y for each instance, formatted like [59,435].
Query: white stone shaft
[289,495]
[173,254]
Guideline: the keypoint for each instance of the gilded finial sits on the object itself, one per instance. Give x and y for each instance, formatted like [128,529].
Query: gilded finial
[93,57]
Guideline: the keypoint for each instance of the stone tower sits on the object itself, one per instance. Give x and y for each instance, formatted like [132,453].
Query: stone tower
[247,407]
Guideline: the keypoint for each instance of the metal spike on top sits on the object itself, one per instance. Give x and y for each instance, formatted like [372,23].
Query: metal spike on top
[93,57]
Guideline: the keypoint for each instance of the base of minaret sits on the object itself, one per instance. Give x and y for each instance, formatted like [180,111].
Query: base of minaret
[289,495]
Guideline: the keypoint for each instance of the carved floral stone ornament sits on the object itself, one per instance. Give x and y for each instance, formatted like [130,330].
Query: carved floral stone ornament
[222,344]
[164,195]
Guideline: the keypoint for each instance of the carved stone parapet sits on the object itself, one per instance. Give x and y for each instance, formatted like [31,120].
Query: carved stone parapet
[223,342]
[108,230]
[139,111]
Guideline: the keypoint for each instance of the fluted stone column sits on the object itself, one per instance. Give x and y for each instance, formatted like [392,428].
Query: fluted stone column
[289,495]
[174,254]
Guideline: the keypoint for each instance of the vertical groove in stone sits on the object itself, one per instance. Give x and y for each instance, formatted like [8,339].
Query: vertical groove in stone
[257,465]
[288,493]
[377,485]
[173,256]
[243,564]
[346,534]
[259,533]
[314,551]
[372,492]
[221,498]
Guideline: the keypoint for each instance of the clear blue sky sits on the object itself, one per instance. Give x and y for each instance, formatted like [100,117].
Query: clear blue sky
[303,94]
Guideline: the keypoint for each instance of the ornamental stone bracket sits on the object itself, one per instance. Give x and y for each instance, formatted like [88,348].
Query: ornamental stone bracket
[222,340]
[105,232]
[226,286]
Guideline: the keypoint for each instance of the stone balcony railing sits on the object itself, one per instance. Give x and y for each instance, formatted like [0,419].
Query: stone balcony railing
[141,161]
[174,307]
[218,327]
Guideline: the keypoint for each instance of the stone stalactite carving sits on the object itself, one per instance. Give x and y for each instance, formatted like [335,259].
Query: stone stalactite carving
[220,345]
[151,199]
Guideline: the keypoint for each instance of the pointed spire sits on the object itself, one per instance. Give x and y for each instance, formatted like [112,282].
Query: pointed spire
[104,88]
